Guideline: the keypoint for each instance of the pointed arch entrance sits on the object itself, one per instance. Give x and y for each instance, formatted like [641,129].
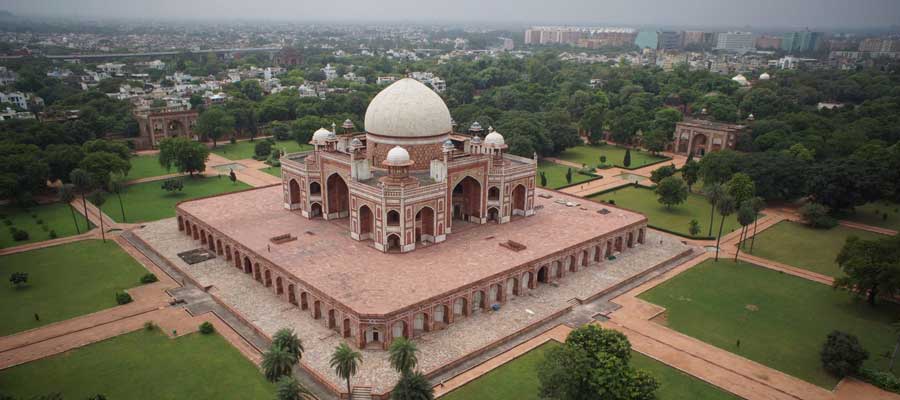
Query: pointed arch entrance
[366,223]
[518,200]
[425,225]
[466,199]
[338,204]
[294,190]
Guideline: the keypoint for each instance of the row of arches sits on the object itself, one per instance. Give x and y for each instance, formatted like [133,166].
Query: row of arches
[336,202]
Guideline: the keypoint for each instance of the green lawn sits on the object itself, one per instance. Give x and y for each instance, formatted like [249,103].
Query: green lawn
[873,214]
[244,149]
[56,217]
[143,365]
[518,379]
[146,166]
[590,155]
[64,281]
[556,175]
[780,320]
[800,246]
[274,171]
[677,219]
[149,202]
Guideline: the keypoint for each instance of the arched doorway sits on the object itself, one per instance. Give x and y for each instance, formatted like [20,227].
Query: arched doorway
[398,329]
[441,314]
[543,275]
[598,253]
[493,215]
[555,270]
[425,225]
[315,189]
[202,236]
[248,266]
[641,236]
[317,309]
[346,330]
[227,252]
[373,335]
[294,189]
[292,296]
[268,278]
[494,194]
[338,197]
[366,222]
[210,242]
[512,287]
[698,144]
[618,244]
[584,258]
[573,265]
[180,223]
[466,199]
[393,218]
[219,247]
[518,200]
[315,211]
[630,240]
[478,301]
[420,323]
[527,281]
[304,301]
[332,319]
[460,307]
[393,243]
[257,273]
[496,293]
[279,287]
[609,248]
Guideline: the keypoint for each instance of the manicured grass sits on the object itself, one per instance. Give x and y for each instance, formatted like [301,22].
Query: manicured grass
[146,166]
[556,175]
[274,171]
[244,149]
[676,219]
[677,385]
[518,379]
[866,214]
[800,246]
[149,202]
[55,216]
[63,282]
[590,155]
[780,320]
[143,365]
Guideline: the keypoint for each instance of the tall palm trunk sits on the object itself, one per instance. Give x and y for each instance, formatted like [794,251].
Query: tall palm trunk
[719,238]
[87,219]
[102,231]
[712,217]
[740,243]
[753,239]
[349,393]
[74,220]
[121,207]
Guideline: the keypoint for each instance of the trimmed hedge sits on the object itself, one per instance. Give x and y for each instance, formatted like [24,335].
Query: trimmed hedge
[882,379]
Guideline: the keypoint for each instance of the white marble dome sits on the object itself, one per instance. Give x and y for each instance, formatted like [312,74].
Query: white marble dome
[397,156]
[494,139]
[321,135]
[764,76]
[407,109]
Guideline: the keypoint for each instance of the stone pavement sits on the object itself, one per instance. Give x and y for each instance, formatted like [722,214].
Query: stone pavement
[92,234]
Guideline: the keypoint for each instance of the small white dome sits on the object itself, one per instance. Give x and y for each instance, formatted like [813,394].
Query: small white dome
[397,156]
[740,79]
[476,140]
[356,143]
[494,139]
[407,109]
[321,135]
[475,127]
[764,76]
[448,145]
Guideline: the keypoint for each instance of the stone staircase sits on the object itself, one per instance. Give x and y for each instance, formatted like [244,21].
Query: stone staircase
[361,393]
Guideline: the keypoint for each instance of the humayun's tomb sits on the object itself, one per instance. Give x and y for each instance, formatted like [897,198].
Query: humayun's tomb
[408,227]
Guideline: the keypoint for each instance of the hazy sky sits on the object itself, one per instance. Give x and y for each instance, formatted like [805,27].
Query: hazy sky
[755,13]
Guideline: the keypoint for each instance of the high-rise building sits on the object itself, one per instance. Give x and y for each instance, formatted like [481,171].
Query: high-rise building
[669,40]
[735,41]
[879,45]
[768,43]
[692,37]
[800,41]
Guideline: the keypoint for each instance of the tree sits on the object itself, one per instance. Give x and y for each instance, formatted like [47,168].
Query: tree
[690,172]
[288,388]
[694,227]
[173,185]
[745,217]
[277,362]
[592,118]
[627,160]
[741,188]
[287,340]
[714,192]
[102,164]
[871,267]
[816,216]
[18,279]
[345,362]
[661,173]
[842,354]
[593,363]
[82,182]
[66,194]
[602,160]
[758,205]
[403,355]
[98,198]
[117,185]
[214,123]
[664,121]
[718,166]
[655,141]
[569,176]
[671,191]
[725,207]
[413,386]
[543,179]
[184,154]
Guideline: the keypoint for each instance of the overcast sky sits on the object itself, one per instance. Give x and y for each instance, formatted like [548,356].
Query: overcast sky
[737,13]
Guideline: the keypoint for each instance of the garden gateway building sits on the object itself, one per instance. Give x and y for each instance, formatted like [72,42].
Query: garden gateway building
[406,227]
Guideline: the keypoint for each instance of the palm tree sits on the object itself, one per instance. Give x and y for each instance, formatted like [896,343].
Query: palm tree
[403,355]
[98,198]
[66,196]
[82,181]
[345,362]
[277,362]
[117,186]
[413,386]
[745,216]
[288,388]
[287,340]
[714,193]
[726,207]
[758,204]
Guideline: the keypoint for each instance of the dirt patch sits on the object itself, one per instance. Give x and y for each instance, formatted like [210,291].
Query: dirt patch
[752,307]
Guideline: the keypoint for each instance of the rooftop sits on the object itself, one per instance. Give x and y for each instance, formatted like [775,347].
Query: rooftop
[374,283]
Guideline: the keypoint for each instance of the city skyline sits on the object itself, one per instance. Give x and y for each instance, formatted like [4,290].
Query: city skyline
[814,14]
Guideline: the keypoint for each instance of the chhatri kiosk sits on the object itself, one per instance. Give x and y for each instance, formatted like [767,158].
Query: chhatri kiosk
[407,227]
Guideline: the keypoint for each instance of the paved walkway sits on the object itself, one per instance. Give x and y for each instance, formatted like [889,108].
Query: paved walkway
[92,234]
[870,228]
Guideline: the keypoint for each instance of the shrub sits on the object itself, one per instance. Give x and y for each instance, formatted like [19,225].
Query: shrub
[173,185]
[39,221]
[206,328]
[149,278]
[53,234]
[19,235]
[150,326]
[19,279]
[263,148]
[123,298]
[816,215]
[842,354]
[882,379]
[233,140]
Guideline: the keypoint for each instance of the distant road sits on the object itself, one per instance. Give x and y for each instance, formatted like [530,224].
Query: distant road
[157,53]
